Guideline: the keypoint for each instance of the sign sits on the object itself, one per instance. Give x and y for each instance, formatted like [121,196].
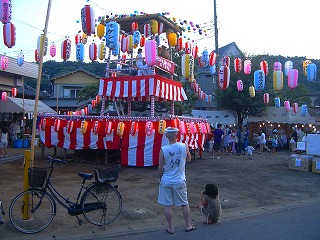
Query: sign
[165,65]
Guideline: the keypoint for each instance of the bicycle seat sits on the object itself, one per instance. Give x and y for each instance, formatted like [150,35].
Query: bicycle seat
[85,175]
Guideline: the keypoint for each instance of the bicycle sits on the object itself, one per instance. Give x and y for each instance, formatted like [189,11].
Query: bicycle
[33,210]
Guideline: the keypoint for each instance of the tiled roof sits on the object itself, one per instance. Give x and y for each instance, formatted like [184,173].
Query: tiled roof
[26,70]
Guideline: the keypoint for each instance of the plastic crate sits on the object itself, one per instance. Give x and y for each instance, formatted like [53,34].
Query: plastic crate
[37,176]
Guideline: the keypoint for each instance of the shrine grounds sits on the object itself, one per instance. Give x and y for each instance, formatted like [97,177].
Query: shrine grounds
[247,187]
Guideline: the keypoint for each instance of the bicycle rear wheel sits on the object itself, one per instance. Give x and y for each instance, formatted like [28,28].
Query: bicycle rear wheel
[32,211]
[102,204]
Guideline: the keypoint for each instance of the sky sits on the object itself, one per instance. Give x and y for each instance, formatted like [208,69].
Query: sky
[276,27]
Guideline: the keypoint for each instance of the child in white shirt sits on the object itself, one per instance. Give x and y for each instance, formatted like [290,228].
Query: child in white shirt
[249,151]
[211,148]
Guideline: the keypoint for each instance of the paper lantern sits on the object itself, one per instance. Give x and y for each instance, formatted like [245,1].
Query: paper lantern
[292,78]
[277,102]
[151,52]
[101,28]
[247,67]
[57,125]
[226,61]
[4,62]
[120,128]
[98,99]
[172,39]
[149,127]
[66,49]
[154,26]
[311,72]
[205,56]
[187,47]
[187,66]
[130,42]
[305,64]
[266,98]
[80,52]
[240,85]
[94,103]
[4,96]
[84,38]
[69,127]
[101,51]
[84,126]
[304,110]
[146,30]
[136,39]
[124,42]
[93,52]
[133,128]
[212,69]
[277,66]
[14,92]
[194,51]
[36,56]
[182,127]
[212,58]
[237,64]
[287,66]
[53,49]
[224,77]
[189,128]
[160,27]
[162,126]
[112,35]
[88,20]
[179,46]
[5,11]
[277,80]
[43,123]
[202,128]
[40,45]
[142,41]
[20,59]
[264,67]
[252,91]
[108,128]
[96,127]
[259,80]
[77,39]
[134,27]
[176,123]
[286,105]
[9,34]
[295,107]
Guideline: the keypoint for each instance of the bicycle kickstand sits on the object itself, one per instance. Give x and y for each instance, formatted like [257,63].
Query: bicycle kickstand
[79,220]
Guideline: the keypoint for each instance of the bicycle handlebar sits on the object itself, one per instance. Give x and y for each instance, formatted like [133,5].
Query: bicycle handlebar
[53,160]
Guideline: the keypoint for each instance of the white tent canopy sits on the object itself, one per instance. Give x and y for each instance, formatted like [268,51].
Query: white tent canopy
[19,105]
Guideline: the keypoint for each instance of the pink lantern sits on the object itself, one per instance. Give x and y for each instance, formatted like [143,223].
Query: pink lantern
[237,65]
[53,49]
[4,96]
[20,59]
[239,85]
[287,105]
[226,61]
[14,92]
[66,49]
[266,98]
[77,38]
[292,78]
[93,51]
[146,30]
[88,20]
[277,80]
[264,67]
[5,11]
[247,67]
[224,77]
[195,51]
[149,128]
[4,62]
[182,127]
[187,47]
[212,58]
[295,107]
[277,66]
[36,56]
[9,35]
[151,52]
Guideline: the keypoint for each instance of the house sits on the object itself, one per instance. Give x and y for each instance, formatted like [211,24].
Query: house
[66,88]
[207,81]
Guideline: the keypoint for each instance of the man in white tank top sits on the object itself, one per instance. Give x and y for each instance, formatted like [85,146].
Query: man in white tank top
[173,187]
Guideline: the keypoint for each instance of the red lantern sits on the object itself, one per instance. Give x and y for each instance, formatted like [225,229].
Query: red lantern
[212,58]
[65,49]
[264,67]
[187,47]
[9,35]
[160,28]
[77,39]
[295,107]
[142,41]
[88,20]
[98,99]
[14,92]
[93,103]
[108,128]
[93,52]
[4,62]
[133,128]
[226,61]
[4,96]
[182,127]
[195,51]
[224,77]
[134,27]
[266,98]
[95,127]
[237,65]
[56,125]
[36,56]
[146,30]
[70,125]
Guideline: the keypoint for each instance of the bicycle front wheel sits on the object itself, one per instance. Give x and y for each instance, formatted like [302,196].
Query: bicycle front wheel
[32,211]
[101,204]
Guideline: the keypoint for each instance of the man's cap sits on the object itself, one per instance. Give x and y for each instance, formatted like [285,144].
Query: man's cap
[171,130]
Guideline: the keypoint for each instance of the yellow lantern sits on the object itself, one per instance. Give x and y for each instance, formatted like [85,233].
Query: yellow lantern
[120,129]
[162,126]
[277,80]
[252,91]
[173,39]
[130,41]
[187,66]
[84,38]
[154,26]
[305,65]
[100,30]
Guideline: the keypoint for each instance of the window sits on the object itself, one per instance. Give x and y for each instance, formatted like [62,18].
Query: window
[70,93]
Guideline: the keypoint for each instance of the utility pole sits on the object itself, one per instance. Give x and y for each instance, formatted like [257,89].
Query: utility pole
[216,28]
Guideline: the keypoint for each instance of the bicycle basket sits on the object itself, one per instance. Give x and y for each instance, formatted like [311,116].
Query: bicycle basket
[36,176]
[109,174]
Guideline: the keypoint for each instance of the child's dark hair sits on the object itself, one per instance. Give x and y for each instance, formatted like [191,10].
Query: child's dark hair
[211,190]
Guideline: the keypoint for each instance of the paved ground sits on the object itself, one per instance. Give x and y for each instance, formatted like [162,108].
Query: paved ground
[247,187]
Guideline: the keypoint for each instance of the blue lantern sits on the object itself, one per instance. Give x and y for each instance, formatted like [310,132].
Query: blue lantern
[277,102]
[259,80]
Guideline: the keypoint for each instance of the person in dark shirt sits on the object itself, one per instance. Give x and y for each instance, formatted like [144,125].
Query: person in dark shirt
[218,134]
